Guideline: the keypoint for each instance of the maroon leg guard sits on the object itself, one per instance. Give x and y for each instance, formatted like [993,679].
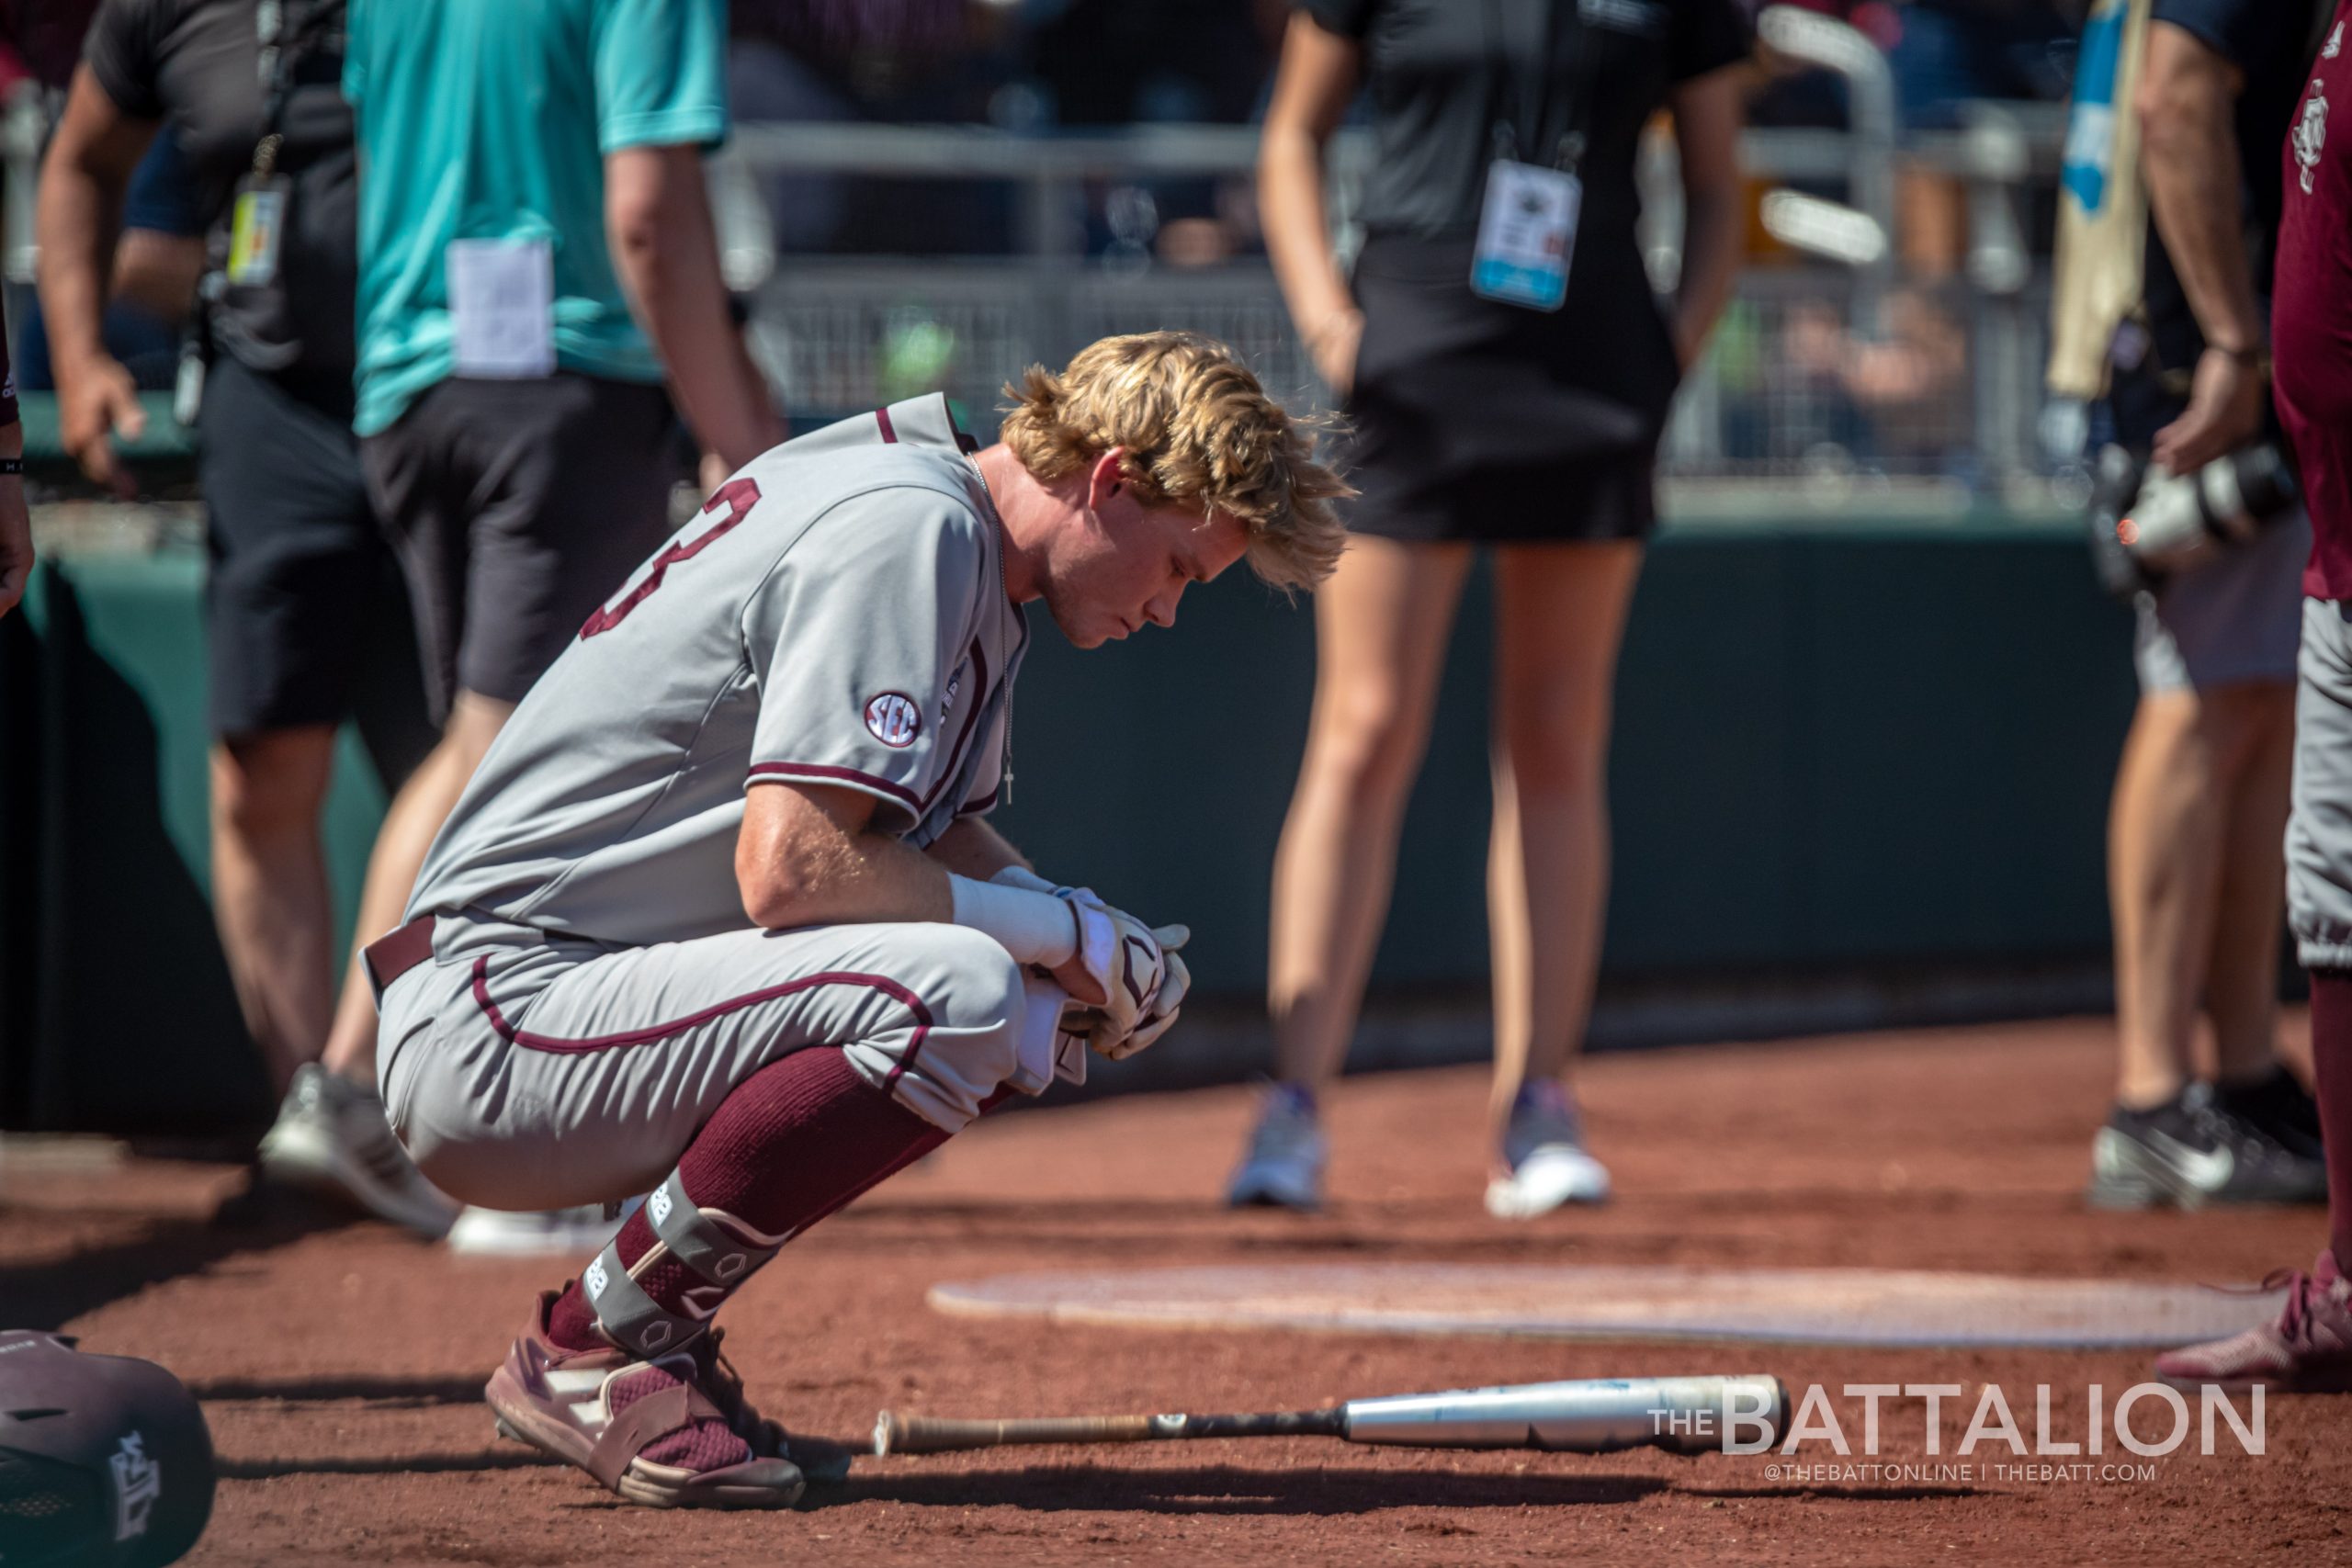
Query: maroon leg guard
[795,1141]
[2332,1069]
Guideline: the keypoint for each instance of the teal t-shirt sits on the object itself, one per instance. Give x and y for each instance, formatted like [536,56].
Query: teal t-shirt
[491,119]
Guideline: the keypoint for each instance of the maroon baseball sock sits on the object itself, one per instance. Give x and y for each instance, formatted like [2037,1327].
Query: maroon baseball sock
[795,1141]
[2332,1068]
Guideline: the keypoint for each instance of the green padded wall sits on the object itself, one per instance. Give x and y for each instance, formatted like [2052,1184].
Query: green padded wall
[1837,745]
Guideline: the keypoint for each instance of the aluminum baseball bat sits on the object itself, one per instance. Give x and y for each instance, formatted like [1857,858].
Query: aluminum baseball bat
[1591,1415]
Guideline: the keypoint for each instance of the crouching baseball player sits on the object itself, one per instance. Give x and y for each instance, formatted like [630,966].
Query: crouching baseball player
[719,919]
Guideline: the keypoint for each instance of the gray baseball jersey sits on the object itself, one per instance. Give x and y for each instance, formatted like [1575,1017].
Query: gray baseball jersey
[836,614]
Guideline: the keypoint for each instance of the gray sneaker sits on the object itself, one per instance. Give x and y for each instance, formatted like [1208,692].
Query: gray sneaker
[2194,1151]
[1283,1168]
[330,1136]
[1544,1147]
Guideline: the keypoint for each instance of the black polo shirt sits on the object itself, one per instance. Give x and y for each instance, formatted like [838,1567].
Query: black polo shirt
[1443,73]
[194,64]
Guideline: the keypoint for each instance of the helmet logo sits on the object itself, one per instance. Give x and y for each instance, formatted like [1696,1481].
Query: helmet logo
[138,1482]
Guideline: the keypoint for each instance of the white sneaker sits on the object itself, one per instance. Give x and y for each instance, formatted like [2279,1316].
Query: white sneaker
[330,1136]
[546,1233]
[1284,1165]
[1543,1145]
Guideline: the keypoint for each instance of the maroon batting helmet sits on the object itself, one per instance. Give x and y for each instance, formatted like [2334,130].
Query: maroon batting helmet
[104,1459]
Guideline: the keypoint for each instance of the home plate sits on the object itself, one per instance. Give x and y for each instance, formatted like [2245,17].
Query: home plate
[1787,1306]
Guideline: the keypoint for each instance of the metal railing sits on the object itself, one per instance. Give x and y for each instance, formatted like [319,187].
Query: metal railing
[1828,375]
[1821,373]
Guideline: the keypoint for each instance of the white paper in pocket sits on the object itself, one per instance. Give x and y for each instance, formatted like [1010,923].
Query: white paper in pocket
[502,307]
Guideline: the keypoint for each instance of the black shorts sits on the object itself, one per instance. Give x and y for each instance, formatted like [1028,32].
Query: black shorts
[302,596]
[516,508]
[1481,421]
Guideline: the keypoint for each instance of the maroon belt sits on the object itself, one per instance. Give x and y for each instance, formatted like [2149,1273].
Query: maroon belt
[389,958]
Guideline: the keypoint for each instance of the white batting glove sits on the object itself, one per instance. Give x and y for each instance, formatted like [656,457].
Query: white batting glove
[1135,966]
[1160,1016]
[1123,957]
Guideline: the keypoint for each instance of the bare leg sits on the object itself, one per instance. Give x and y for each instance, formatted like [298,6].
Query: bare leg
[269,887]
[1933,208]
[416,814]
[1560,617]
[1380,629]
[2242,984]
[2165,838]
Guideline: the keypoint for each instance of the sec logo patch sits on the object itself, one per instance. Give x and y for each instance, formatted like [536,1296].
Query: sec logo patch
[894,719]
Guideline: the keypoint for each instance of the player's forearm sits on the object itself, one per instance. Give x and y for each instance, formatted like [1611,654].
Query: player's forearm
[1298,242]
[665,248]
[2190,150]
[16,526]
[76,224]
[971,847]
[158,273]
[1706,130]
[1711,246]
[852,879]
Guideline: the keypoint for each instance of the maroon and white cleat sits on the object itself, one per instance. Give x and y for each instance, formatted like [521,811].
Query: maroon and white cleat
[2307,1350]
[670,1433]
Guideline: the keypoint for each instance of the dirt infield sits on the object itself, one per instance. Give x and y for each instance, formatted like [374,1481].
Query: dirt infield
[341,1366]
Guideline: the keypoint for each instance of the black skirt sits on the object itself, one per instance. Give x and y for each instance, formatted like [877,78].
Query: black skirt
[1480,422]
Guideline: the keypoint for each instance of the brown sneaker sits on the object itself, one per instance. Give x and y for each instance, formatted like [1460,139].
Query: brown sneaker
[2307,1350]
[671,1433]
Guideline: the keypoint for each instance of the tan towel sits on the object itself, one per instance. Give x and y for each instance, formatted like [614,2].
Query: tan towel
[2102,207]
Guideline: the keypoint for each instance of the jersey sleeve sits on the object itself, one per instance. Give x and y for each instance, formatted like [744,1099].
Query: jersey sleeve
[2244,33]
[987,769]
[661,70]
[854,639]
[1345,18]
[121,49]
[1708,35]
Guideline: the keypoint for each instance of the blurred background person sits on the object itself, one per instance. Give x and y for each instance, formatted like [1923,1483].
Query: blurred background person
[2195,874]
[159,260]
[1947,54]
[536,253]
[907,61]
[1477,420]
[296,561]
[2308,1347]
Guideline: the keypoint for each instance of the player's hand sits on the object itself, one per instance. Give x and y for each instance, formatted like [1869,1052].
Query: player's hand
[94,402]
[15,543]
[1118,971]
[1160,1016]
[710,472]
[1332,344]
[2226,402]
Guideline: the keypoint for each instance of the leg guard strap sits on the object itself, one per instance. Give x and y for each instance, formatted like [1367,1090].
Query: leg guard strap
[630,1317]
[714,1243]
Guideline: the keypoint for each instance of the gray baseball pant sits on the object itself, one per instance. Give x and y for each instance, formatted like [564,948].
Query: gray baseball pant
[523,1071]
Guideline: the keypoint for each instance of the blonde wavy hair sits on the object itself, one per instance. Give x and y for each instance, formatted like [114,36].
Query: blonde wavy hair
[1194,427]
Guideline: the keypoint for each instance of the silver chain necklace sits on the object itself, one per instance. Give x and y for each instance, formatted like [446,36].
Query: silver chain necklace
[1004,582]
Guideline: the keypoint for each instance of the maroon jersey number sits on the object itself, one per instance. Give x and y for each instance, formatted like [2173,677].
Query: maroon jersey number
[737,496]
